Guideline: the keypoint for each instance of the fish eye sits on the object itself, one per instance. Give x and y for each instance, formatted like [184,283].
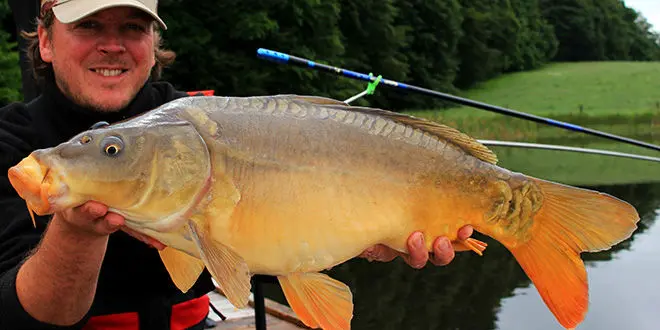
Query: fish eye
[85,139]
[112,146]
[112,150]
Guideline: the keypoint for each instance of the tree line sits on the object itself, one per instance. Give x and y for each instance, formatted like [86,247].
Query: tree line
[446,45]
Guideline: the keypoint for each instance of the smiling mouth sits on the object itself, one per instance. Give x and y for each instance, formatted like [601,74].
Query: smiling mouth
[109,72]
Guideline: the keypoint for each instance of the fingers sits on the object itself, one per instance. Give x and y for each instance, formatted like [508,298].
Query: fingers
[92,218]
[443,252]
[109,223]
[86,212]
[114,220]
[465,232]
[417,255]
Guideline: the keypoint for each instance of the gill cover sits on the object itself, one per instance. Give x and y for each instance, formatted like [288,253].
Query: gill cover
[176,175]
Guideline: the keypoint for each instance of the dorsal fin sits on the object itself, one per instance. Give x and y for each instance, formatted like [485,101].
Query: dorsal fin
[461,140]
[320,100]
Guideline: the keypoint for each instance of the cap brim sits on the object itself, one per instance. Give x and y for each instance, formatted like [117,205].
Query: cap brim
[71,11]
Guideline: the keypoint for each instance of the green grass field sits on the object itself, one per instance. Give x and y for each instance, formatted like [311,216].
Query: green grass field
[622,98]
[561,88]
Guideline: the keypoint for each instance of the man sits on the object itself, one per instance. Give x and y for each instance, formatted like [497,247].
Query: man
[99,61]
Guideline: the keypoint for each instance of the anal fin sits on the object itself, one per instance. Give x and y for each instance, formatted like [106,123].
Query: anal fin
[319,300]
[470,244]
[225,265]
[184,269]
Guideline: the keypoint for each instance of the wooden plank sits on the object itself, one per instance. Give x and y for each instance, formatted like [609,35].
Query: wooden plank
[278,316]
[272,323]
[282,312]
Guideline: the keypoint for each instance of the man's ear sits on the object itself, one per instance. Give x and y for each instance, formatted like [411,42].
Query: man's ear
[44,44]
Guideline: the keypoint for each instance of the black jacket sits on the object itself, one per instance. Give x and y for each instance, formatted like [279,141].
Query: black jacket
[132,278]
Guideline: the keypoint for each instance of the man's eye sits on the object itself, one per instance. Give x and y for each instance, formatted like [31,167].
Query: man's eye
[87,25]
[136,27]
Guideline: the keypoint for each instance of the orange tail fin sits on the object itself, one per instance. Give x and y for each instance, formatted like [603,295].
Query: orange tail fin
[571,220]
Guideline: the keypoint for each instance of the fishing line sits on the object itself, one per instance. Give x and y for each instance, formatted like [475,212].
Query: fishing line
[302,62]
[567,148]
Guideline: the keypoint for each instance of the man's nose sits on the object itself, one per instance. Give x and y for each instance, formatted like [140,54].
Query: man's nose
[111,43]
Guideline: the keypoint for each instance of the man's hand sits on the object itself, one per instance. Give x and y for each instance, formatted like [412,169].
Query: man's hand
[93,218]
[418,256]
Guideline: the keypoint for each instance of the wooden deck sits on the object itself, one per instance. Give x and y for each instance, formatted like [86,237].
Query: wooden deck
[278,316]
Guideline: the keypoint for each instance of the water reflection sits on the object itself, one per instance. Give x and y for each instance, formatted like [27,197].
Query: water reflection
[492,292]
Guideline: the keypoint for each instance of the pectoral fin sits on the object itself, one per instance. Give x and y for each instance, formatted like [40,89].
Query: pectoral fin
[184,269]
[226,266]
[319,300]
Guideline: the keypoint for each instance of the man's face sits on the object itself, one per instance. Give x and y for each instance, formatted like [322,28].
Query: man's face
[102,60]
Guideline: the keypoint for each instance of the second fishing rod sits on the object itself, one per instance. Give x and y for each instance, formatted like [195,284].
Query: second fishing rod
[290,59]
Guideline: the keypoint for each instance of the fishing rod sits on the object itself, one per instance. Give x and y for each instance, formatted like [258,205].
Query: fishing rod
[567,148]
[302,62]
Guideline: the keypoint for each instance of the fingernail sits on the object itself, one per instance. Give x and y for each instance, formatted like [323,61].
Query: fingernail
[419,241]
[447,244]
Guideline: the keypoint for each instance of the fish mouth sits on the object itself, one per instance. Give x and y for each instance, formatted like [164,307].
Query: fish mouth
[34,182]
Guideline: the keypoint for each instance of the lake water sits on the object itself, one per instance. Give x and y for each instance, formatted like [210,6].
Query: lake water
[492,292]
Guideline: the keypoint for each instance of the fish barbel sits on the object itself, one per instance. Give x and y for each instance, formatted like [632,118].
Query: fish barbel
[291,185]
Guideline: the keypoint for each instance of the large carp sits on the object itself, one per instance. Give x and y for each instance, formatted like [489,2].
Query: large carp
[292,185]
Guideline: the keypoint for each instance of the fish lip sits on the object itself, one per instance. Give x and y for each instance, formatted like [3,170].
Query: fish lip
[37,184]
[28,189]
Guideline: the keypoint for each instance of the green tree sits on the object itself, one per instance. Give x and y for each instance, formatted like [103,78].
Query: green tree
[614,32]
[489,43]
[217,43]
[536,43]
[374,43]
[644,40]
[599,30]
[433,30]
[10,71]
[575,29]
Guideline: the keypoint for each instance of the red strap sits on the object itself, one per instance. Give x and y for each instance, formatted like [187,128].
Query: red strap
[189,313]
[184,316]
[123,321]
[209,92]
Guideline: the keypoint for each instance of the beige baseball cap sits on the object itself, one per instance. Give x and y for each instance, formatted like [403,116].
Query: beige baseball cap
[68,11]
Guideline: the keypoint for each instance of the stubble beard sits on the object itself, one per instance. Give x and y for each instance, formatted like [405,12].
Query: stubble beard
[87,101]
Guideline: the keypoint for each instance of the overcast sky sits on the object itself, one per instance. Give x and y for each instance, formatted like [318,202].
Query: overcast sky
[649,9]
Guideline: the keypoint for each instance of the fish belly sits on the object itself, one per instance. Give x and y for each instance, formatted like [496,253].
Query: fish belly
[310,220]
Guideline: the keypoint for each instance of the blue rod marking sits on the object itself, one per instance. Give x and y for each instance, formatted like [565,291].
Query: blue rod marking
[569,125]
[357,75]
[273,54]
